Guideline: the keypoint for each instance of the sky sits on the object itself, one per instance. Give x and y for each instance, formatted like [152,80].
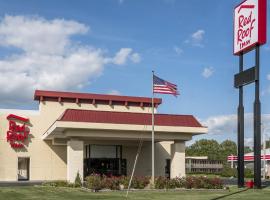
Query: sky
[112,46]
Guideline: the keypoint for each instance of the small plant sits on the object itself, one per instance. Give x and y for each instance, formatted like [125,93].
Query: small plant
[78,180]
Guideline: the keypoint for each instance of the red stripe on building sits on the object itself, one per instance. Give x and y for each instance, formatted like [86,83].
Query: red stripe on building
[42,95]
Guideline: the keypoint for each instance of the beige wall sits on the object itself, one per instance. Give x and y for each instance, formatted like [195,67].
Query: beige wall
[74,159]
[178,159]
[143,167]
[47,161]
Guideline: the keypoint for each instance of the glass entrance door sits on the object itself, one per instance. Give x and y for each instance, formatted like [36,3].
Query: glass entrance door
[105,160]
[23,169]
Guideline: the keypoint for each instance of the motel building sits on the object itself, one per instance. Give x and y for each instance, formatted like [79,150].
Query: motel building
[91,133]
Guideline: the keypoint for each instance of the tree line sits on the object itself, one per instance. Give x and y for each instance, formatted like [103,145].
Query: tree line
[213,149]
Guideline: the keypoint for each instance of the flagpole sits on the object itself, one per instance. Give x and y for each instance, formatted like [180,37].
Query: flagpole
[153,133]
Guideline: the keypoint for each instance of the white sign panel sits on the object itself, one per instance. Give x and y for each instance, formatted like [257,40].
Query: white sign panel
[249,25]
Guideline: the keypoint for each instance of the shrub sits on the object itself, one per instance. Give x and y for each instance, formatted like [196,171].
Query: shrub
[94,182]
[248,173]
[203,182]
[228,172]
[78,180]
[124,180]
[214,183]
[161,182]
[112,183]
[97,182]
[140,182]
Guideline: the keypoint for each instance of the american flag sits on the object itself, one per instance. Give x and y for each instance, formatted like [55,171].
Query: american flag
[164,87]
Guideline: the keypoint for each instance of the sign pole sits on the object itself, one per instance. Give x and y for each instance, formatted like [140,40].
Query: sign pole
[257,123]
[240,127]
[250,33]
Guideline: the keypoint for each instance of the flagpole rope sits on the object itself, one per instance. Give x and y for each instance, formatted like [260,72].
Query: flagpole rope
[134,166]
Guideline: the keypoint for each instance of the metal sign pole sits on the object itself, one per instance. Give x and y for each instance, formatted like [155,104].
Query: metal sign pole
[241,129]
[257,123]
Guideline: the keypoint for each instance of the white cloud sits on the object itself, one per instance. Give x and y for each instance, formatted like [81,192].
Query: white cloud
[222,124]
[37,35]
[178,50]
[198,35]
[135,57]
[196,38]
[123,55]
[114,92]
[49,58]
[207,72]
[227,124]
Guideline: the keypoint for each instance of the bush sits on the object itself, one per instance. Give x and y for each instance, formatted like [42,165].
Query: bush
[228,172]
[112,183]
[161,182]
[165,183]
[203,182]
[140,182]
[94,182]
[97,182]
[248,173]
[124,180]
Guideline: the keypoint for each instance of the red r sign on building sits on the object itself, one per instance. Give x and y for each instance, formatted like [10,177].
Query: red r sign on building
[17,134]
[249,25]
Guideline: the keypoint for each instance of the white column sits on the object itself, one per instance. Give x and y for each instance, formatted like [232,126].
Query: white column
[74,159]
[178,159]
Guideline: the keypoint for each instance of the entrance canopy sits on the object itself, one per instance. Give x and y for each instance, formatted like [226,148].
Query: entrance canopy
[123,125]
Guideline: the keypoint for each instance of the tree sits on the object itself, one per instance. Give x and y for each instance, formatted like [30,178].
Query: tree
[212,149]
[204,147]
[227,148]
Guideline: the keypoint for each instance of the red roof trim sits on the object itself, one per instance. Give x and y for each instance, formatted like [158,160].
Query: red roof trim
[91,116]
[42,95]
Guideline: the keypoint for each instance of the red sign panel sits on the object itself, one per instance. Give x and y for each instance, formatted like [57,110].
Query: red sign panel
[248,158]
[249,25]
[17,133]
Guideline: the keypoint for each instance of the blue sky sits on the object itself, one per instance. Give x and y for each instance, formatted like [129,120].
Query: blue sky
[187,42]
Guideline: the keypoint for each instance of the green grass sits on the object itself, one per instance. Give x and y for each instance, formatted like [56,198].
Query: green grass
[49,193]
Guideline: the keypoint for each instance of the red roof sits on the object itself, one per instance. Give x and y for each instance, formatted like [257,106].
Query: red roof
[128,118]
[42,95]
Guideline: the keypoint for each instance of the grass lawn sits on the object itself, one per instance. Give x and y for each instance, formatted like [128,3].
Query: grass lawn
[49,193]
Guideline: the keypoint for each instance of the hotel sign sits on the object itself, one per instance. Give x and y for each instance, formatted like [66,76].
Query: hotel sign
[17,134]
[249,25]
